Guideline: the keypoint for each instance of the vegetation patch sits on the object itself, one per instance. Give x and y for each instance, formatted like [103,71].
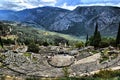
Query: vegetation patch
[27,54]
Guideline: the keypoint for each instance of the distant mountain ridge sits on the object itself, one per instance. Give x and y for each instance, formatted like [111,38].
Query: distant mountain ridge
[79,22]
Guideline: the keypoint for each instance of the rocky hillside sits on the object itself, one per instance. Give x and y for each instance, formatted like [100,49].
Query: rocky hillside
[11,31]
[17,60]
[51,61]
[40,17]
[78,22]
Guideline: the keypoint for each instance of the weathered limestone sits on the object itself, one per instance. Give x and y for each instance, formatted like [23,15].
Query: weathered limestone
[61,60]
[50,62]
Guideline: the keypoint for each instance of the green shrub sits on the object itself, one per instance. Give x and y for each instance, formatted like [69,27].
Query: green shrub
[8,41]
[69,78]
[104,43]
[26,54]
[27,41]
[107,74]
[58,39]
[33,48]
[32,78]
[112,42]
[104,58]
[65,72]
[118,46]
[79,44]
[45,44]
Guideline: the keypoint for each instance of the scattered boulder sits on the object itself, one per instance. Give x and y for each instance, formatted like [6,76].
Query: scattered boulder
[82,55]
[111,48]
[89,47]
[22,49]
[113,52]
[74,52]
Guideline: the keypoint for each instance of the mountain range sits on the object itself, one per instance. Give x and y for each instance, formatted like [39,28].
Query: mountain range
[78,22]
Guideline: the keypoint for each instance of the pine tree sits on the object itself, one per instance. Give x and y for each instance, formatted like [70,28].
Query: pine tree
[1,32]
[96,37]
[1,42]
[86,43]
[118,36]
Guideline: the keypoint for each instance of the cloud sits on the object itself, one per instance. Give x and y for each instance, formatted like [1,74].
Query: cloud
[15,4]
[101,4]
[23,4]
[99,1]
[48,1]
[72,4]
[96,4]
[67,4]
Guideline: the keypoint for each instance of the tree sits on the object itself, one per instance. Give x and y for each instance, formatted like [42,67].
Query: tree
[118,37]
[58,39]
[4,30]
[33,48]
[96,38]
[1,33]
[45,43]
[1,43]
[86,43]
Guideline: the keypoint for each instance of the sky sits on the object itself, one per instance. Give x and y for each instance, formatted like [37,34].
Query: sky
[67,4]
